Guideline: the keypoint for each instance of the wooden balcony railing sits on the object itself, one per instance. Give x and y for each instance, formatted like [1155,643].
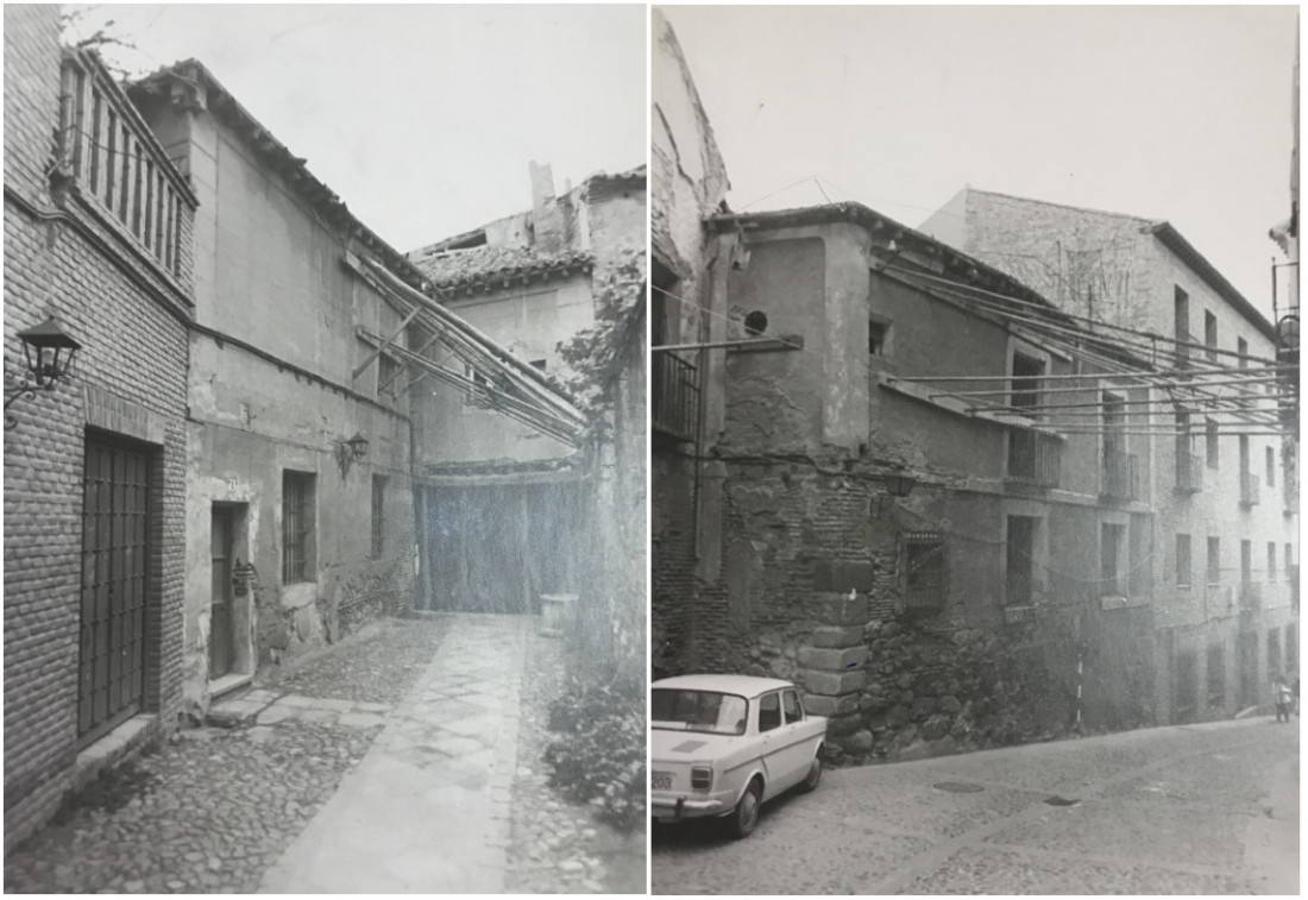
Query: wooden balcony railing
[674,396]
[117,163]
[1121,477]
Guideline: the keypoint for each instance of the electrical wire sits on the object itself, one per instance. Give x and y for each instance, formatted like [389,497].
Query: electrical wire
[723,317]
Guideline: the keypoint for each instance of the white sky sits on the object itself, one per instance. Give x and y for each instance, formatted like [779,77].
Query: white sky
[1180,113]
[421,118]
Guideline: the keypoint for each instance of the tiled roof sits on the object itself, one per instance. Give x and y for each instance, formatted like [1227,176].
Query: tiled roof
[486,268]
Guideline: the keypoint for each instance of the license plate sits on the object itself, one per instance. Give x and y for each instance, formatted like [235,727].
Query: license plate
[661,781]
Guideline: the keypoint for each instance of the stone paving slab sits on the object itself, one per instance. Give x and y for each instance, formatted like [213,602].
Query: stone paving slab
[427,810]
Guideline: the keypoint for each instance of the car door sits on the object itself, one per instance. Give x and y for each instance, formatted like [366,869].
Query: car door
[771,739]
[799,748]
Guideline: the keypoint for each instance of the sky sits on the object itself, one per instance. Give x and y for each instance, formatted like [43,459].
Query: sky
[1178,113]
[423,119]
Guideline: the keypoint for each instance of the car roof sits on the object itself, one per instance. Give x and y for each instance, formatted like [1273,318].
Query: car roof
[744,685]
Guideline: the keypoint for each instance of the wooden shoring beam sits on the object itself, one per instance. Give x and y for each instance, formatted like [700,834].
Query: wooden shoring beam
[382,345]
[466,339]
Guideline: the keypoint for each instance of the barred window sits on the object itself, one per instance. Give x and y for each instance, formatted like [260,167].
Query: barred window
[298,527]
[924,570]
[378,515]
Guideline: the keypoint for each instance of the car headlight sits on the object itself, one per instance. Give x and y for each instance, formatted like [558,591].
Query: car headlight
[701,777]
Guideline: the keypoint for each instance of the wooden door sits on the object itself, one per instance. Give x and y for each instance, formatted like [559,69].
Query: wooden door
[115,577]
[221,651]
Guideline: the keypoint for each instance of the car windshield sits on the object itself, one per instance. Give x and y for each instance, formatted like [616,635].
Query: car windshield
[710,711]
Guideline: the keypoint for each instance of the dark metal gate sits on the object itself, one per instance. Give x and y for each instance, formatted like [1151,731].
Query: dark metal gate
[115,566]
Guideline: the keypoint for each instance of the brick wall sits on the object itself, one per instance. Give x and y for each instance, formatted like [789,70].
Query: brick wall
[132,370]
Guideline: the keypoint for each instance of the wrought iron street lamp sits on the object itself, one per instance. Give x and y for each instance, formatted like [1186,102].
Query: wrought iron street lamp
[350,451]
[48,352]
[358,445]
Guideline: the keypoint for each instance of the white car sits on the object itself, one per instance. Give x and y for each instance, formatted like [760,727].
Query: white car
[722,745]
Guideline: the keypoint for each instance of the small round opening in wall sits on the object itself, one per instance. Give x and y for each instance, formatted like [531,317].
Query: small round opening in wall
[756,323]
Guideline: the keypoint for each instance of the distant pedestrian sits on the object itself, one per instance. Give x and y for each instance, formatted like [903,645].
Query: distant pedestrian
[1283,695]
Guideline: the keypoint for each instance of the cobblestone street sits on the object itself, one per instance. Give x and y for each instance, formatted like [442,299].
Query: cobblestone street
[1194,809]
[299,780]
[214,809]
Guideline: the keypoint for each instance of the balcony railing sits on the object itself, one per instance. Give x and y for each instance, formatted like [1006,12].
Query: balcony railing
[1189,473]
[1249,489]
[1034,458]
[116,162]
[1121,475]
[675,396]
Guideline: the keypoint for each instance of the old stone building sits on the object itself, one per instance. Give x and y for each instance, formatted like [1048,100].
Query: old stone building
[925,484]
[504,502]
[98,228]
[690,183]
[1226,529]
[299,522]
[938,572]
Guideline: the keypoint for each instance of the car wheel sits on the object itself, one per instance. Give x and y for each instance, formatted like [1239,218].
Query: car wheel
[814,775]
[745,817]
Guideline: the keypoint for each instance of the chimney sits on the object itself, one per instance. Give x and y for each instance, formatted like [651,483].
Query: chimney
[545,214]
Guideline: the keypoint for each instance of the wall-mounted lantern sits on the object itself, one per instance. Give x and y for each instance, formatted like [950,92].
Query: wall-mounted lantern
[350,451]
[358,445]
[48,352]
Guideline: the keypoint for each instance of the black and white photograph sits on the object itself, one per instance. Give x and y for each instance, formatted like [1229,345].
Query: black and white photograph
[974,450]
[324,453]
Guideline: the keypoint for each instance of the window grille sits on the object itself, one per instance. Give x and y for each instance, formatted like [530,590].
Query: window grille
[297,527]
[925,585]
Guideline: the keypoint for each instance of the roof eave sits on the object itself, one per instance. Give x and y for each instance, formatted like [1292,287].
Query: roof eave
[867,217]
[1173,240]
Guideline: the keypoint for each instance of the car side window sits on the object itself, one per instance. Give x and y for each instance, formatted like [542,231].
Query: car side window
[769,712]
[790,703]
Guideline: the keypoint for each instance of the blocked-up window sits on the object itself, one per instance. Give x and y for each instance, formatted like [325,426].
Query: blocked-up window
[924,570]
[1271,467]
[378,515]
[1020,559]
[298,534]
[1213,570]
[1210,440]
[1110,559]
[388,377]
[1183,564]
[1271,562]
[1210,335]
